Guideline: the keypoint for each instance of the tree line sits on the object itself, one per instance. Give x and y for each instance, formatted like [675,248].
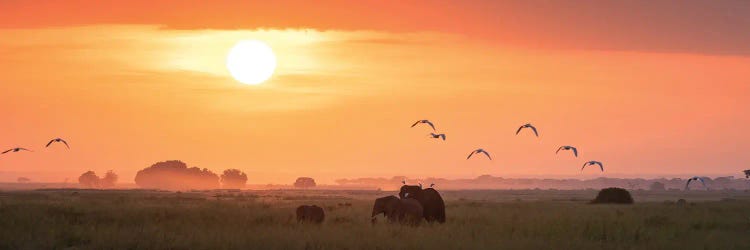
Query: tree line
[176,175]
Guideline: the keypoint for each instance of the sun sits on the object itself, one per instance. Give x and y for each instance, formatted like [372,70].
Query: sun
[251,62]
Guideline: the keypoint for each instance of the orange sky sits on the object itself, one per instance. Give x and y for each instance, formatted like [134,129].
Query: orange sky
[130,85]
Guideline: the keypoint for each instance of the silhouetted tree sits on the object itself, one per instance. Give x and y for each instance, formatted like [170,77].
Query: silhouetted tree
[233,178]
[175,175]
[747,173]
[304,182]
[23,180]
[657,186]
[109,180]
[89,180]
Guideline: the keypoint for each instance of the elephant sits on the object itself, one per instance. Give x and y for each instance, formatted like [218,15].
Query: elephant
[388,206]
[310,213]
[406,211]
[432,202]
[412,212]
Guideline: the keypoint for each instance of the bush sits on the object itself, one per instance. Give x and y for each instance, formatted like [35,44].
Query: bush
[175,175]
[109,180]
[233,178]
[304,182]
[613,195]
[89,179]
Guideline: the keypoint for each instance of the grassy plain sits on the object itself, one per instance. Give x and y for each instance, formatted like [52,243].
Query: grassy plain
[491,219]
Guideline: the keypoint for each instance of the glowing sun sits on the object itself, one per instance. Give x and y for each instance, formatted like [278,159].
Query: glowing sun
[251,62]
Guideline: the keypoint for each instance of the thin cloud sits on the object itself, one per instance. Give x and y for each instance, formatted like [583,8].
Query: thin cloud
[688,26]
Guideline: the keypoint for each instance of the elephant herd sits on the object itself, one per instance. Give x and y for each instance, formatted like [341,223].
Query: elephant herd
[412,205]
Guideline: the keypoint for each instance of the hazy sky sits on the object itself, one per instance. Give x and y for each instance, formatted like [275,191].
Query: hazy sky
[647,87]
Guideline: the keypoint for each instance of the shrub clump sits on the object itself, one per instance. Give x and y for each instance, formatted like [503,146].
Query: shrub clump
[613,195]
[175,175]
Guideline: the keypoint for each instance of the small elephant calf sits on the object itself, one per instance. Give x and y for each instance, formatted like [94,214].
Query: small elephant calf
[406,211]
[310,213]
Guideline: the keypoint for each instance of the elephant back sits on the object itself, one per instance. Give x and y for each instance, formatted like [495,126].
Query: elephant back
[317,214]
[412,190]
[434,206]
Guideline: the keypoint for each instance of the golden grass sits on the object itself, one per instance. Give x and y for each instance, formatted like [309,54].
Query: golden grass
[265,220]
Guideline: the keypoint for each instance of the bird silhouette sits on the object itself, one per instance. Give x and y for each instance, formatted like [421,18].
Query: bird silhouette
[424,121]
[479,151]
[58,140]
[695,178]
[589,163]
[528,125]
[575,150]
[442,136]
[15,150]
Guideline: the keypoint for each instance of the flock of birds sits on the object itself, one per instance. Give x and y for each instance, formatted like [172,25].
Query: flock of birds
[19,149]
[435,136]
[522,127]
[536,133]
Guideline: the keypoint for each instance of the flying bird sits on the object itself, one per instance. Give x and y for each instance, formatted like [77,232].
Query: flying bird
[575,151]
[527,125]
[589,163]
[441,136]
[15,150]
[58,140]
[695,178]
[424,121]
[479,151]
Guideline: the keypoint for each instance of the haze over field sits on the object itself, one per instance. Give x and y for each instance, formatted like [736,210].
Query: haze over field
[648,88]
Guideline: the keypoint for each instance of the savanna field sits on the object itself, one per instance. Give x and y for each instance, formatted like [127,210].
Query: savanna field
[498,219]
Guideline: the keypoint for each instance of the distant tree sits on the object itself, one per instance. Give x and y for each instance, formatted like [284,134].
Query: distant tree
[233,178]
[23,180]
[89,180]
[613,195]
[304,182]
[657,186]
[109,180]
[747,173]
[175,175]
